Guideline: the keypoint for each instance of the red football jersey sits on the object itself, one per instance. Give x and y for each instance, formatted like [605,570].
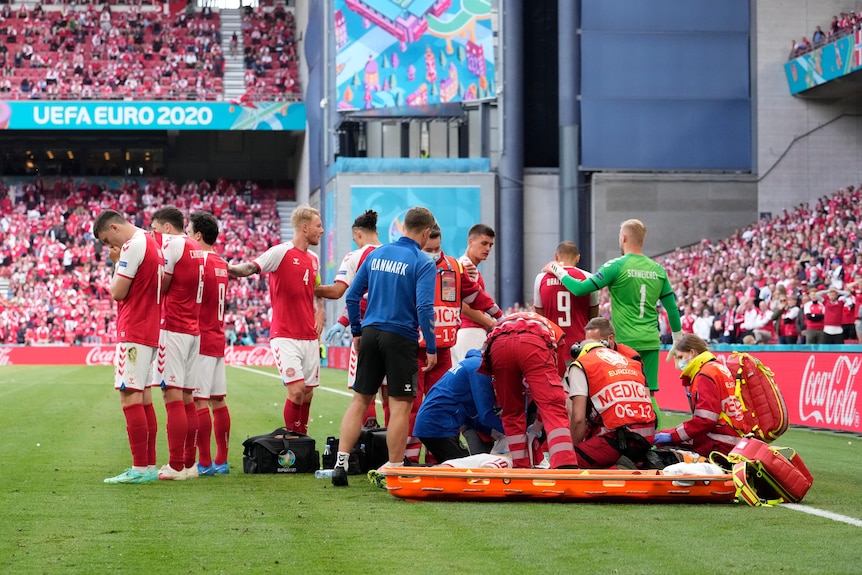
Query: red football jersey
[138,315]
[212,305]
[184,260]
[293,274]
[561,306]
[466,321]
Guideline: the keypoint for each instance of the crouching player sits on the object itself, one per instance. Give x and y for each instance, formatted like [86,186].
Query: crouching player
[461,397]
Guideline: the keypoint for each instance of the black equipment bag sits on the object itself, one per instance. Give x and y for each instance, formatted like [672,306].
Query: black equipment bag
[281,451]
[370,450]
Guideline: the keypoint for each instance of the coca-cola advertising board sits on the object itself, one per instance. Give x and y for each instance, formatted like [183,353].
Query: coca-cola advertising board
[818,387]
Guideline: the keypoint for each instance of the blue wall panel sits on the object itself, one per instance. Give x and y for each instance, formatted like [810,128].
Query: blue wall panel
[666,15]
[666,85]
[666,135]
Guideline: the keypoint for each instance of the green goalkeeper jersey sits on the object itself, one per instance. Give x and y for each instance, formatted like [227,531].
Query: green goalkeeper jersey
[636,284]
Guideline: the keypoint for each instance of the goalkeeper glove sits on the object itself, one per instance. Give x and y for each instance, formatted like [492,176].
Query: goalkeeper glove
[556,269]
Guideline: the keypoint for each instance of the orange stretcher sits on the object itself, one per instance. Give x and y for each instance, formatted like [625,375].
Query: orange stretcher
[563,485]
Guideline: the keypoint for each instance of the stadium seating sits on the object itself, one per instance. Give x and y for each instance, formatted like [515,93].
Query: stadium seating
[59,283]
[270,54]
[794,249]
[93,51]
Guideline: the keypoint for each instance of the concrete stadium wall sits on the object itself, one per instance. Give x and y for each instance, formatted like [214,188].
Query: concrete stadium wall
[801,156]
[678,209]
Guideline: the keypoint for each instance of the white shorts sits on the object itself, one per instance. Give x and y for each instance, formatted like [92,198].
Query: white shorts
[208,377]
[174,360]
[297,360]
[133,364]
[468,338]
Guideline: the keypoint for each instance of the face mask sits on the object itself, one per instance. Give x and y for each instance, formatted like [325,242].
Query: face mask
[681,364]
[433,256]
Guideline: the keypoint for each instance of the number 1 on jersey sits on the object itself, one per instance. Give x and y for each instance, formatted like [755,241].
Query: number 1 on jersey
[643,299]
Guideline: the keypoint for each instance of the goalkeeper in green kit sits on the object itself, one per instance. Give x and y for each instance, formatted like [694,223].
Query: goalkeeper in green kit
[636,283]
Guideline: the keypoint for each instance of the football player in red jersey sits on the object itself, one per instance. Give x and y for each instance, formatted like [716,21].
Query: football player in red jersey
[180,340]
[137,287]
[296,325]
[558,304]
[208,371]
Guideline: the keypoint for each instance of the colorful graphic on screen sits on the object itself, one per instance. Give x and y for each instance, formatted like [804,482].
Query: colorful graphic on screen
[456,209]
[413,52]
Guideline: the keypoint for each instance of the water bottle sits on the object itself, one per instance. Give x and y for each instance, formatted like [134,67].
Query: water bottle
[323,473]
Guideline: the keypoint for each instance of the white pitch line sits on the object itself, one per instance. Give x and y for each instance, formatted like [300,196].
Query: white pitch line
[277,376]
[822,513]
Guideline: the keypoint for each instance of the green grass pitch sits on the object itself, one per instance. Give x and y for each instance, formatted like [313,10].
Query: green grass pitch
[63,433]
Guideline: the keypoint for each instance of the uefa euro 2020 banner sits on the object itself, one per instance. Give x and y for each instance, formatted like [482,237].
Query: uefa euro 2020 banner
[413,52]
[151,115]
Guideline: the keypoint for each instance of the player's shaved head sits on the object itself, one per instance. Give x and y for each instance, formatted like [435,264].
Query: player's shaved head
[635,231]
[568,253]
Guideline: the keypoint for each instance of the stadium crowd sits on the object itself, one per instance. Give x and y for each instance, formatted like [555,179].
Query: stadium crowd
[732,291]
[845,23]
[89,51]
[59,277]
[269,54]
[733,288]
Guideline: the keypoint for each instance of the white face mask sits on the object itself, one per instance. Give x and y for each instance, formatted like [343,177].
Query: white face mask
[433,256]
[681,364]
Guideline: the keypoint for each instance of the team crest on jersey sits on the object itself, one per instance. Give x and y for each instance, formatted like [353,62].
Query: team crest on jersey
[611,357]
[296,261]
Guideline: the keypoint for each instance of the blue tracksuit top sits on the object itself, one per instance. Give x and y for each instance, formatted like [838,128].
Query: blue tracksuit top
[462,396]
[400,280]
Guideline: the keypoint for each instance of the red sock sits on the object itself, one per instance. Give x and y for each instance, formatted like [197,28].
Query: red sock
[189,451]
[205,426]
[152,432]
[136,427]
[414,446]
[221,427]
[371,412]
[304,413]
[292,415]
[176,428]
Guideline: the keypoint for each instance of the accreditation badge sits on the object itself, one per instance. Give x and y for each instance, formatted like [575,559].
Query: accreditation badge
[448,287]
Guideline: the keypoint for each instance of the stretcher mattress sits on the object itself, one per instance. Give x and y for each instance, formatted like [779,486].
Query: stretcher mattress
[563,485]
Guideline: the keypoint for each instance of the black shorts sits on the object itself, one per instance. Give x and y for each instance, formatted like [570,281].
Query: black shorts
[390,355]
[445,448]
